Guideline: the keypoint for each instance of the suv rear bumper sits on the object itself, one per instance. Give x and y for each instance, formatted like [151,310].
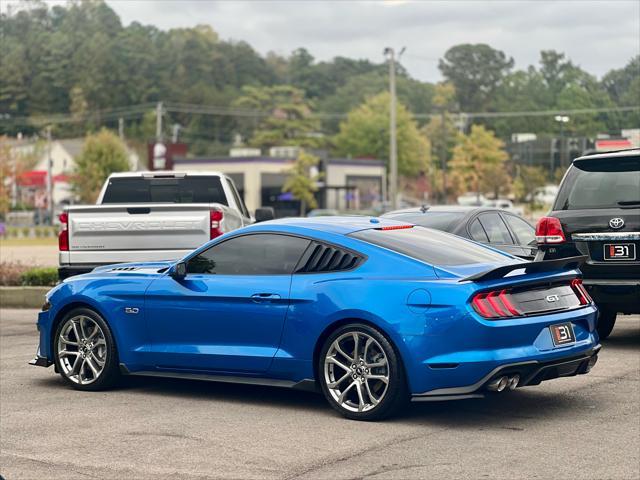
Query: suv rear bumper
[619,295]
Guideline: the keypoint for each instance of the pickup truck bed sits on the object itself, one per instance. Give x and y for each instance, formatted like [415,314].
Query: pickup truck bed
[115,232]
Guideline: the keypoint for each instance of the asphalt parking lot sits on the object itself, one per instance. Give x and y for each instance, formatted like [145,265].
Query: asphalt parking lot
[582,427]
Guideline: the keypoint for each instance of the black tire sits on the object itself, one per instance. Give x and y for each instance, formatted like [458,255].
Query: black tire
[606,322]
[110,371]
[396,394]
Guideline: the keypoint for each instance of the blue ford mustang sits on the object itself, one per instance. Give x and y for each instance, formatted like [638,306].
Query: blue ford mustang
[370,311]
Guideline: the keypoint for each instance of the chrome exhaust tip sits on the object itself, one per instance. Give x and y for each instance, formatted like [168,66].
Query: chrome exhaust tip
[504,383]
[498,384]
[513,382]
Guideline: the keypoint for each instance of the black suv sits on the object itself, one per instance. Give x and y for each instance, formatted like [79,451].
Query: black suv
[597,213]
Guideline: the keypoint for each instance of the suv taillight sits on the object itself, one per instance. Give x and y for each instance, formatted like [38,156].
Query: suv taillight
[215,223]
[549,230]
[63,235]
[581,292]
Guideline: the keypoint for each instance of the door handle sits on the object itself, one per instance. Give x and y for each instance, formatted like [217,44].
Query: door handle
[264,297]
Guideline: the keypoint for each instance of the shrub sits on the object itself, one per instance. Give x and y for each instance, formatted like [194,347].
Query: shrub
[40,277]
[26,232]
[11,273]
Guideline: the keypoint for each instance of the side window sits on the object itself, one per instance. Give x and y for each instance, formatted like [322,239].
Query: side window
[496,229]
[477,232]
[257,254]
[236,197]
[526,233]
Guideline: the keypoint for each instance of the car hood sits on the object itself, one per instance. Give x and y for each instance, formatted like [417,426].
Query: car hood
[127,269]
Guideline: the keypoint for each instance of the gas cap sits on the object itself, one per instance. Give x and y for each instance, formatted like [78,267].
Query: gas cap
[419,301]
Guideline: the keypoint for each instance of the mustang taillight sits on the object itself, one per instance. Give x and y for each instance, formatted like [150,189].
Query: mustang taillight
[215,223]
[549,230]
[495,304]
[581,292]
[63,235]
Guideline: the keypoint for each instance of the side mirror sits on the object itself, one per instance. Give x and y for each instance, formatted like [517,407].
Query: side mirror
[265,213]
[178,271]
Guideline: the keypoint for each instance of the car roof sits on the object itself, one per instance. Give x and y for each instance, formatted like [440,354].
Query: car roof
[631,152]
[439,208]
[166,173]
[343,225]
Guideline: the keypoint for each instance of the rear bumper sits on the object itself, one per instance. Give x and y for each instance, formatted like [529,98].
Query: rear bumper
[530,373]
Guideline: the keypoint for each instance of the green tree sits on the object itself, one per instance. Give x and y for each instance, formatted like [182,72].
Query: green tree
[365,133]
[528,180]
[103,154]
[289,122]
[416,95]
[475,71]
[302,182]
[478,163]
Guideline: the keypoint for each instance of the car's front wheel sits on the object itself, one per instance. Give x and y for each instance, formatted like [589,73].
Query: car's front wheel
[85,352]
[360,373]
[606,322]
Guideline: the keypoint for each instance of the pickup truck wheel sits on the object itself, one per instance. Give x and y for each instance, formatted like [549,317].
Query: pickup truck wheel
[606,321]
[85,352]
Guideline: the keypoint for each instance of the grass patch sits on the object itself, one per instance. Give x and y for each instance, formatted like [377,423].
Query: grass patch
[28,242]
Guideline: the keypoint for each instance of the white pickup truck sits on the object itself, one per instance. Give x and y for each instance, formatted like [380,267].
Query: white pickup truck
[147,216]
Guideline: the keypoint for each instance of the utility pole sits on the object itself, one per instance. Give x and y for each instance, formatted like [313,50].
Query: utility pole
[159,122]
[121,128]
[49,177]
[176,129]
[443,155]
[393,142]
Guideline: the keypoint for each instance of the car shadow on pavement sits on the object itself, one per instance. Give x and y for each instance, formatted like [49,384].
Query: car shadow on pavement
[502,411]
[506,410]
[622,340]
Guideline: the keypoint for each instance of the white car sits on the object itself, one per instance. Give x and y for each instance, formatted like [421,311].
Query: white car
[143,216]
[505,204]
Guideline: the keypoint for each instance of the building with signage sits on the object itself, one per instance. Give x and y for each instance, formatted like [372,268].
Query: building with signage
[347,184]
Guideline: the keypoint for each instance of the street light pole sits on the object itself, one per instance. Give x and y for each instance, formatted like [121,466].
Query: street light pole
[393,142]
[49,177]
[561,119]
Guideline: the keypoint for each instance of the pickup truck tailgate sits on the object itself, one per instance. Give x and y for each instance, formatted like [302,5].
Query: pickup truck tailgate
[134,227]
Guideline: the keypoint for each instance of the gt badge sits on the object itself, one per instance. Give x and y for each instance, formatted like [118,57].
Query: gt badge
[131,310]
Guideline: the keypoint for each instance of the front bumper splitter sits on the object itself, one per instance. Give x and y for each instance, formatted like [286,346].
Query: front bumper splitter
[40,361]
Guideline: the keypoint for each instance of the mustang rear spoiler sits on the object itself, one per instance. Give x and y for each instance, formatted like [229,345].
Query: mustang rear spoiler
[568,263]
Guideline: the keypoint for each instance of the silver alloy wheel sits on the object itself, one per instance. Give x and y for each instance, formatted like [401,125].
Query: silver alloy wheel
[356,371]
[82,350]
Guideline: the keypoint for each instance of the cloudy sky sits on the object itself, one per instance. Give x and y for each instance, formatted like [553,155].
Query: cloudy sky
[598,35]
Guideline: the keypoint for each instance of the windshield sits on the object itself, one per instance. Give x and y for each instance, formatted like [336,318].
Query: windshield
[445,221]
[165,190]
[601,184]
[431,246]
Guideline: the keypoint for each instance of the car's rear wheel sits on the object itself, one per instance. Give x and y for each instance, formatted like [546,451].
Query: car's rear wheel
[85,352]
[360,373]
[606,322]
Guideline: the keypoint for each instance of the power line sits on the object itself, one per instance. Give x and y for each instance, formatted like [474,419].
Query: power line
[139,110]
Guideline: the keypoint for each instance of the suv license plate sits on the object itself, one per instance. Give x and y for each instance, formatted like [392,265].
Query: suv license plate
[619,251]
[562,334]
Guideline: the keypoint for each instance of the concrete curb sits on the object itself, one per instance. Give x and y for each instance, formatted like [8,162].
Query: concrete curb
[22,297]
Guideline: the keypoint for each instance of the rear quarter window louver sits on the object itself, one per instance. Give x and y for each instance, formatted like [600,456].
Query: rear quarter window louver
[320,257]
